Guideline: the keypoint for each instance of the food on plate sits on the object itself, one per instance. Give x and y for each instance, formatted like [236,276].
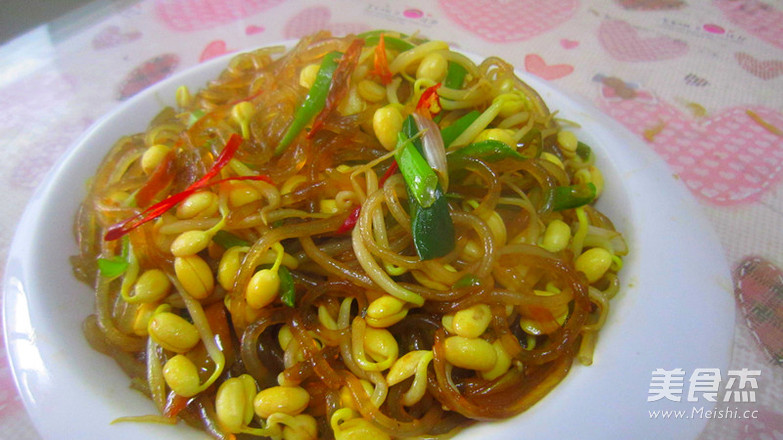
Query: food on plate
[364,236]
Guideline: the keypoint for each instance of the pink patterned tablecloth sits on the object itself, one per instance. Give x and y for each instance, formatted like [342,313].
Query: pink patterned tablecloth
[701,83]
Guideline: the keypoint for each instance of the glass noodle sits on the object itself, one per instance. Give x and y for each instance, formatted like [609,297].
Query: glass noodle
[362,236]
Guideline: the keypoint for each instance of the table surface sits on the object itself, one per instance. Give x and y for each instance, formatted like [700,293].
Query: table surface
[688,78]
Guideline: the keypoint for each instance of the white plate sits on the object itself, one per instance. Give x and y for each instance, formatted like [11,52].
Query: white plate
[675,310]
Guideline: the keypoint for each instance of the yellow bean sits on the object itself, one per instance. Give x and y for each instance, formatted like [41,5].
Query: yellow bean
[143,315]
[470,353]
[251,388]
[153,156]
[447,321]
[152,286]
[284,336]
[198,204]
[386,123]
[358,429]
[432,67]
[229,266]
[307,75]
[195,276]
[262,288]
[549,157]
[502,364]
[181,376]
[301,427]
[424,279]
[473,321]
[511,106]
[592,175]
[597,177]
[594,263]
[556,236]
[173,332]
[118,197]
[406,366]
[346,397]
[190,243]
[498,227]
[530,326]
[230,403]
[328,206]
[242,194]
[567,141]
[472,251]
[351,104]
[279,399]
[242,112]
[380,344]
[371,90]
[385,311]
[497,134]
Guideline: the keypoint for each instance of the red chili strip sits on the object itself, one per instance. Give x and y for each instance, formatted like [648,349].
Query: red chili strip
[174,405]
[389,172]
[159,179]
[117,230]
[249,98]
[381,63]
[428,98]
[339,86]
[350,221]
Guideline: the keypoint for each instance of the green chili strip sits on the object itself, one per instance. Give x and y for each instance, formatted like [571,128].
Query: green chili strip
[390,42]
[431,227]
[116,266]
[489,150]
[194,116]
[287,290]
[228,240]
[419,175]
[467,280]
[452,132]
[378,32]
[455,76]
[574,196]
[583,151]
[314,102]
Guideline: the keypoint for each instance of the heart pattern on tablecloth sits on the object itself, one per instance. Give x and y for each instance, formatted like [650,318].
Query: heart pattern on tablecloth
[113,36]
[625,43]
[196,15]
[650,5]
[214,49]
[726,158]
[254,29]
[766,69]
[505,21]
[759,18]
[758,287]
[568,44]
[537,66]
[317,18]
[147,74]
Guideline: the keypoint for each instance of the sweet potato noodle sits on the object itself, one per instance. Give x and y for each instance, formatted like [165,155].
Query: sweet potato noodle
[362,237]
